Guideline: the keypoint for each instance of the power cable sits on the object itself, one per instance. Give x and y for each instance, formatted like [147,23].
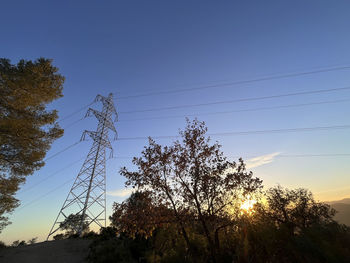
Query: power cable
[235,111]
[296,155]
[277,156]
[240,100]
[130,157]
[314,155]
[44,195]
[264,78]
[304,129]
[61,151]
[72,123]
[76,111]
[50,176]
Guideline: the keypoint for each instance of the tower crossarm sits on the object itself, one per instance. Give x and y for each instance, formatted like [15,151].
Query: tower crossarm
[98,137]
[102,118]
[108,102]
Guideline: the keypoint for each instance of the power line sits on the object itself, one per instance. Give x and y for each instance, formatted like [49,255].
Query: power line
[304,129]
[277,156]
[240,100]
[76,111]
[61,151]
[242,110]
[296,155]
[319,128]
[72,123]
[264,78]
[315,155]
[237,156]
[130,157]
[50,176]
[44,195]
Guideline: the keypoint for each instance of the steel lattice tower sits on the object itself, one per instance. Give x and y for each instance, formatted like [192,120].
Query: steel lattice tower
[87,197]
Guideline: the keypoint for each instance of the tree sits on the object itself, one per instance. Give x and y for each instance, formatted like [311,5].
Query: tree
[71,225]
[139,215]
[27,128]
[290,226]
[18,243]
[295,209]
[194,179]
[32,240]
[2,245]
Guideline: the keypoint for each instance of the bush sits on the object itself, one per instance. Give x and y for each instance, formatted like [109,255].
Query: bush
[108,247]
[90,235]
[18,243]
[2,245]
[32,241]
[59,237]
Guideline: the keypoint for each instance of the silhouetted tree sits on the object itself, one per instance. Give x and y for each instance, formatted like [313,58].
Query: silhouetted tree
[290,226]
[71,225]
[18,243]
[32,240]
[295,209]
[139,215]
[193,177]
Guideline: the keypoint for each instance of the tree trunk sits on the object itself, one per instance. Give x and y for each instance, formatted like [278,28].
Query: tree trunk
[206,231]
[217,240]
[183,230]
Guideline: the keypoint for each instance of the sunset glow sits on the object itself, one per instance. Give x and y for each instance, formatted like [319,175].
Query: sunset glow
[248,205]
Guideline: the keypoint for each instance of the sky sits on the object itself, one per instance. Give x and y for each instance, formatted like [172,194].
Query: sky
[217,51]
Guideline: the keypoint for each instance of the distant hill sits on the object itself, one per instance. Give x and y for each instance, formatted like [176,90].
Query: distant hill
[343,201]
[343,209]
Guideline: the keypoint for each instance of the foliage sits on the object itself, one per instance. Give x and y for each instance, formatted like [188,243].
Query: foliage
[89,235]
[2,245]
[18,243]
[291,227]
[194,180]
[8,188]
[72,223]
[255,237]
[108,247]
[32,240]
[27,128]
[295,209]
[59,237]
[187,208]
[139,215]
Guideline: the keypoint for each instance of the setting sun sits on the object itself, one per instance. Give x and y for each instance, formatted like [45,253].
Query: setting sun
[247,205]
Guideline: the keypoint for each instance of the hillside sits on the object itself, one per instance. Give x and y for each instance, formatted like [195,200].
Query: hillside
[67,251]
[343,210]
[343,215]
[342,201]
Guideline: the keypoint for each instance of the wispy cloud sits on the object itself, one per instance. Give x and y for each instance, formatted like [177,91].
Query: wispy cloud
[120,192]
[261,160]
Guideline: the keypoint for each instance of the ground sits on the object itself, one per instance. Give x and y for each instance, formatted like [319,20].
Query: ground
[59,251]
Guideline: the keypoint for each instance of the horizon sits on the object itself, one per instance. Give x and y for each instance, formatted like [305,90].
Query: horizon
[270,80]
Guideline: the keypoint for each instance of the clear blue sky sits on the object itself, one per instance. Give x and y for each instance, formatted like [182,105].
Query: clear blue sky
[135,47]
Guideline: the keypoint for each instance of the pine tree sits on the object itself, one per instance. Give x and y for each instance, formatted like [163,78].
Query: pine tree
[27,128]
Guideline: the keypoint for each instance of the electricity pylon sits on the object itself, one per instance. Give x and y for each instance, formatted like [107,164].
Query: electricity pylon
[86,200]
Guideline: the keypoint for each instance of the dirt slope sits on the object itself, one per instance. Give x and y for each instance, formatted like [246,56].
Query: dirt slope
[60,251]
